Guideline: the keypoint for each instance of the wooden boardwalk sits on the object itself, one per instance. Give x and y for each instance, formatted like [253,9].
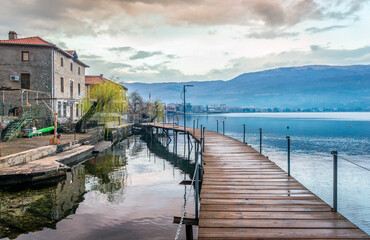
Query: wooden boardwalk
[246,196]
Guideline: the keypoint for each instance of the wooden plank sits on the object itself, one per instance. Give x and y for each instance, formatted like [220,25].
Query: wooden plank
[270,215]
[284,233]
[258,196]
[275,223]
[261,201]
[265,208]
[246,196]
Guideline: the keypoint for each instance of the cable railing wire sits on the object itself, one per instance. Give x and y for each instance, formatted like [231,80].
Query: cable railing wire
[186,203]
[309,147]
[313,148]
[358,165]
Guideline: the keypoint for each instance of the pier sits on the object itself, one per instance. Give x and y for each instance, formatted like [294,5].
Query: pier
[244,195]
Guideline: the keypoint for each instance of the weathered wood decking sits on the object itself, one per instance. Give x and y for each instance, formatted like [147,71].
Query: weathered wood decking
[246,196]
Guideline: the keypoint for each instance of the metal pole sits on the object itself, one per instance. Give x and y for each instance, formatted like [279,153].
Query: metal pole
[204,128]
[243,133]
[288,138]
[201,132]
[335,180]
[184,110]
[217,126]
[1,129]
[193,127]
[223,127]
[197,123]
[260,140]
[196,186]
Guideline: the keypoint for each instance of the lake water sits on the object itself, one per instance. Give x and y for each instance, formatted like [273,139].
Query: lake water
[131,191]
[347,132]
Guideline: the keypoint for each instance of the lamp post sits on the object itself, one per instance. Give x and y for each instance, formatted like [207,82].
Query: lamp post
[185,116]
[185,105]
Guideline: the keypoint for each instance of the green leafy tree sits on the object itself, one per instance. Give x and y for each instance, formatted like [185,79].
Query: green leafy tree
[107,99]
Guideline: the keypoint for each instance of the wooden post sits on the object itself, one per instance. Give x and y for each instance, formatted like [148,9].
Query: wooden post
[189,232]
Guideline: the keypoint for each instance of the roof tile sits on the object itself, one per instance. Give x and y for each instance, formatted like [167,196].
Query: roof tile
[28,41]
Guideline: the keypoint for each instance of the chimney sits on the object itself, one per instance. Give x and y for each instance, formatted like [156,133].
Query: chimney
[101,76]
[12,35]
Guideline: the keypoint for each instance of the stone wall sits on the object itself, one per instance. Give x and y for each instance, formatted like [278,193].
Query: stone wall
[39,66]
[27,156]
[69,76]
[5,121]
[116,134]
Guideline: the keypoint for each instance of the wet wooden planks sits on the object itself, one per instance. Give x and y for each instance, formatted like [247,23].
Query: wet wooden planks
[246,196]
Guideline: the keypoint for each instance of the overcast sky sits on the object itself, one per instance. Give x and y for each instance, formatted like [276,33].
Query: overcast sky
[183,40]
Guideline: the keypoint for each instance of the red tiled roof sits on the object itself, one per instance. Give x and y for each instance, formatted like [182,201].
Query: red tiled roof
[89,80]
[94,80]
[70,51]
[28,41]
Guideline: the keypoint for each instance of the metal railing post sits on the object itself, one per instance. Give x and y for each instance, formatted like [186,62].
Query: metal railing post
[243,133]
[204,128]
[223,127]
[260,140]
[197,123]
[288,139]
[335,180]
[201,132]
[193,127]
[196,186]
[217,126]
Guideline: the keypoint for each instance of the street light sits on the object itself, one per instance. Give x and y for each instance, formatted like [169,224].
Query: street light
[185,105]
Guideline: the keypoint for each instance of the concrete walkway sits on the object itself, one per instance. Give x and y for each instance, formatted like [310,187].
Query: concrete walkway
[48,167]
[23,144]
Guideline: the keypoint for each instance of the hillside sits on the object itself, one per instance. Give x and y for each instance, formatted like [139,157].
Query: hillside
[307,86]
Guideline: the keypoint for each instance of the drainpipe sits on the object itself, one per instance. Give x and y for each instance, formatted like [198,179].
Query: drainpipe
[53,81]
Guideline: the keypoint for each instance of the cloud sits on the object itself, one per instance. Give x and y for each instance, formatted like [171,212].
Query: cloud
[89,56]
[317,55]
[121,49]
[144,54]
[271,34]
[100,66]
[163,72]
[325,29]
[85,17]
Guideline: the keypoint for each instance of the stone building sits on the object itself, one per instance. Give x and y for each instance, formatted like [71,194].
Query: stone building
[33,65]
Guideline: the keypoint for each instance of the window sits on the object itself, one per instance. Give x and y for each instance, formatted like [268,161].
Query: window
[79,89]
[77,108]
[79,70]
[25,56]
[61,62]
[59,108]
[71,88]
[62,85]
[25,81]
[64,108]
[71,67]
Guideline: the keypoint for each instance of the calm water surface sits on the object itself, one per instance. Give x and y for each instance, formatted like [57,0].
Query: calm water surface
[132,191]
[347,132]
[129,192]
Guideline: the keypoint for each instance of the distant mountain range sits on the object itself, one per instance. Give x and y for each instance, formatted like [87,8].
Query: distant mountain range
[308,86]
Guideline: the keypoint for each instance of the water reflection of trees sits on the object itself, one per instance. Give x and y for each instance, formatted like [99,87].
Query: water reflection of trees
[31,210]
[107,173]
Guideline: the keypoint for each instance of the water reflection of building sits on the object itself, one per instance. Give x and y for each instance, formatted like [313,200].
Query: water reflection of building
[32,210]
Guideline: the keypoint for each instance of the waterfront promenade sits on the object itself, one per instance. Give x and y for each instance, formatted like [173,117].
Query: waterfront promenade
[244,195]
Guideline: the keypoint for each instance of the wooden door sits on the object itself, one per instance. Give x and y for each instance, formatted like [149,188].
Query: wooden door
[25,81]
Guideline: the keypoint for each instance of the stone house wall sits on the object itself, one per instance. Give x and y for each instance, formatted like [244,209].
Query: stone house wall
[39,67]
[43,66]
[76,76]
